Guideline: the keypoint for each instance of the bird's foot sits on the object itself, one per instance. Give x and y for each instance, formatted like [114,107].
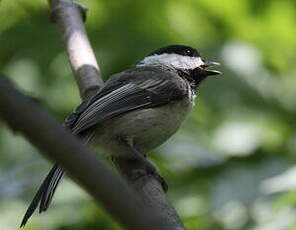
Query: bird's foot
[146,168]
[138,173]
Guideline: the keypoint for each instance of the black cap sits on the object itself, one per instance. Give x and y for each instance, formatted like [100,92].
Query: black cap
[177,49]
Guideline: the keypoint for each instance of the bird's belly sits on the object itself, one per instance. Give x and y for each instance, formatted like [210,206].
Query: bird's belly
[147,128]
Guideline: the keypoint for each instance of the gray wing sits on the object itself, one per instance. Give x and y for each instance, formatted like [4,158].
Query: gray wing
[127,92]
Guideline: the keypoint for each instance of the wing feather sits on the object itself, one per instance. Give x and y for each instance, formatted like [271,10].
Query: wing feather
[123,95]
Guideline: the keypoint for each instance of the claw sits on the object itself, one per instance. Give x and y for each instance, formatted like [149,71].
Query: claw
[161,180]
[138,173]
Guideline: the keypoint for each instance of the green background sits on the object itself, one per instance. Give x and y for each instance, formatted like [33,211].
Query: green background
[230,166]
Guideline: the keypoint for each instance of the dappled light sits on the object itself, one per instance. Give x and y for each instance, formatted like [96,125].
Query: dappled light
[229,167]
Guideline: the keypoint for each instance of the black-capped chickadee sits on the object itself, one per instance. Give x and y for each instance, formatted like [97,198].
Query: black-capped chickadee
[136,111]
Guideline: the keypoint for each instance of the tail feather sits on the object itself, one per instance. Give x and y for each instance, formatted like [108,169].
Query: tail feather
[45,193]
[48,194]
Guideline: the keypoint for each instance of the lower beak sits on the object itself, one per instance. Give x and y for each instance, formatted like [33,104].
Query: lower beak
[208,64]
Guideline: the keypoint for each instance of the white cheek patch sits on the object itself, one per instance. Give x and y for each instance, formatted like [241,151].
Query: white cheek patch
[174,60]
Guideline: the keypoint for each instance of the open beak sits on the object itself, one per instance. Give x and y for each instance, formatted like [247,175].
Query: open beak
[208,64]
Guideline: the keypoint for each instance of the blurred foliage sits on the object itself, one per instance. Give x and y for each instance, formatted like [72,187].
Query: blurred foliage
[231,166]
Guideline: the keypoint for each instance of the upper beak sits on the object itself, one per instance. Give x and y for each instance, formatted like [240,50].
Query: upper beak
[210,64]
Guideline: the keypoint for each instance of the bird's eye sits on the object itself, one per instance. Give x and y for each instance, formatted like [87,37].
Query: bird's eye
[189,52]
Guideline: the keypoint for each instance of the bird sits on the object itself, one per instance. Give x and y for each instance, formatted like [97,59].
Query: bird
[134,112]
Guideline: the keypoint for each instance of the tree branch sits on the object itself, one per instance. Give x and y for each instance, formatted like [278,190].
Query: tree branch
[69,16]
[25,115]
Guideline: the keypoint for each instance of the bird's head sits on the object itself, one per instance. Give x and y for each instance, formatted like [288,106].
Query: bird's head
[184,59]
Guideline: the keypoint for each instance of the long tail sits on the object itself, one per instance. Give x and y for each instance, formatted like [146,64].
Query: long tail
[45,193]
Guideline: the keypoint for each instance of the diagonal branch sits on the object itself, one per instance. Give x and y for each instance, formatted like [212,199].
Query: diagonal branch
[68,16]
[24,115]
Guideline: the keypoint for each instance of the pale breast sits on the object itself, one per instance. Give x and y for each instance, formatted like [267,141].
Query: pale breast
[148,128]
